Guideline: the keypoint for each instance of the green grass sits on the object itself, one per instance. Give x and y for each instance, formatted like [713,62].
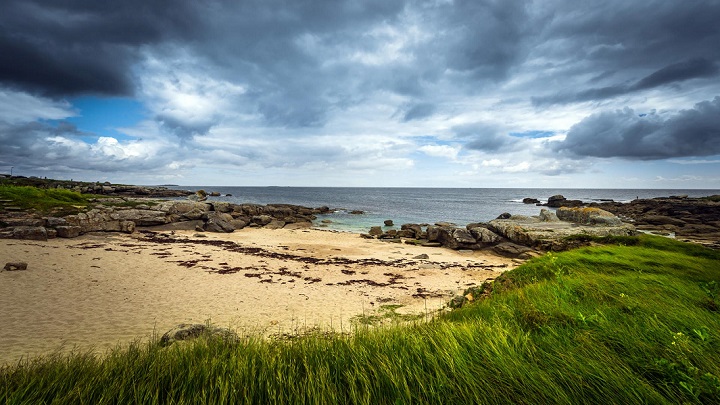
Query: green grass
[43,200]
[608,324]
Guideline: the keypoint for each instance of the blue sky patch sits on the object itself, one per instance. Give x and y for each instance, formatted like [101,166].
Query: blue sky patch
[102,116]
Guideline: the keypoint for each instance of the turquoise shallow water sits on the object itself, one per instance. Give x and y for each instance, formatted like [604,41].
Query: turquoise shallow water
[423,205]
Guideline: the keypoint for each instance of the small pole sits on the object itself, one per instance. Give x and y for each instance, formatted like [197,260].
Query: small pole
[11,169]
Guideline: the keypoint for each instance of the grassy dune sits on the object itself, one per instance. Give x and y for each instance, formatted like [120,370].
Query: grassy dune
[608,324]
[43,200]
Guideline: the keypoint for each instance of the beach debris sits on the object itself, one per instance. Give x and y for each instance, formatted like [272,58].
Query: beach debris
[14,266]
[187,331]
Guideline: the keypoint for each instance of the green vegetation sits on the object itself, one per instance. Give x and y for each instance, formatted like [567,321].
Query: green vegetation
[44,200]
[605,324]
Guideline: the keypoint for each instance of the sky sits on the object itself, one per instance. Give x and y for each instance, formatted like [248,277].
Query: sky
[376,93]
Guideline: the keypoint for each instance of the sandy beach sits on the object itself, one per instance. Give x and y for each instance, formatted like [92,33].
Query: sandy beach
[98,291]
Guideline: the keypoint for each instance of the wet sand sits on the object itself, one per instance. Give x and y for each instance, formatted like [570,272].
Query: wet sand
[98,291]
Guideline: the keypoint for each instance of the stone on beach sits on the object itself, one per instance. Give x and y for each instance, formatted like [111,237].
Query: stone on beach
[13,266]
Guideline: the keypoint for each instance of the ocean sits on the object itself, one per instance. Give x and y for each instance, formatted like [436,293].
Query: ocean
[460,206]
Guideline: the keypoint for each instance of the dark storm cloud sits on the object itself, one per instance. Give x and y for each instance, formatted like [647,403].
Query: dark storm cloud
[698,68]
[61,48]
[627,134]
[625,47]
[484,137]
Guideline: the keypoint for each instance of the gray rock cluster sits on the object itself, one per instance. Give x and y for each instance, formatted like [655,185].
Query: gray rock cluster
[183,214]
[512,235]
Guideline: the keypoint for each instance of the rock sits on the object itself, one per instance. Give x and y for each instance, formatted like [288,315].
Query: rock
[455,238]
[548,216]
[431,244]
[504,215]
[238,223]
[556,201]
[444,224]
[199,195]
[510,249]
[53,222]
[422,257]
[412,230]
[222,206]
[186,331]
[214,194]
[13,266]
[530,200]
[588,216]
[433,232]
[661,220]
[357,212]
[127,226]
[218,222]
[141,217]
[457,302]
[298,225]
[484,235]
[388,222]
[375,231]
[68,231]
[261,220]
[30,233]
[275,224]
[532,232]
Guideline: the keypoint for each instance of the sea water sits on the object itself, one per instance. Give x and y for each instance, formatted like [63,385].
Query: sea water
[422,205]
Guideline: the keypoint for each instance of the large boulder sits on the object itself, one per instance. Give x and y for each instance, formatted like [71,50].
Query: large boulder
[536,233]
[68,231]
[455,238]
[412,230]
[484,235]
[588,216]
[261,220]
[30,232]
[218,222]
[559,200]
[186,210]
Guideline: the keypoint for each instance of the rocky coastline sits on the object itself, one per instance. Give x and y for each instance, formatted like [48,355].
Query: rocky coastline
[574,223]
[126,208]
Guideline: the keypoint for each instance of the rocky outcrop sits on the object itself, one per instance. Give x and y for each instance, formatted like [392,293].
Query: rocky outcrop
[205,216]
[546,233]
[691,219]
[587,216]
[559,200]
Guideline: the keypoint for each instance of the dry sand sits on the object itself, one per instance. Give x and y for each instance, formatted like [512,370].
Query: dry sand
[98,291]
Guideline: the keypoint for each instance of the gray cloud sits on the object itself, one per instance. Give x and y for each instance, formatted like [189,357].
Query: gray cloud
[697,68]
[417,111]
[485,137]
[626,134]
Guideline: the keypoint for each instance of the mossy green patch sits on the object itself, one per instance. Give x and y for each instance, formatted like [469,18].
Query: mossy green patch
[44,200]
